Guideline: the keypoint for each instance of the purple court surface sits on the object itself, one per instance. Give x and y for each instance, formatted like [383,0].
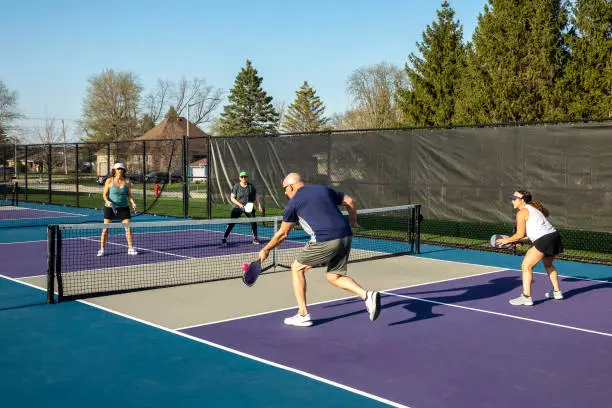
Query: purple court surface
[451,344]
[30,213]
[27,259]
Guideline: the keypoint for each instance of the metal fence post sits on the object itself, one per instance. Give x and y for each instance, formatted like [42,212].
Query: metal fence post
[26,172]
[49,171]
[76,172]
[209,178]
[144,174]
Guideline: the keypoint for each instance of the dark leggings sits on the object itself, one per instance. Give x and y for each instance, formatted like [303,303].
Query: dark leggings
[236,213]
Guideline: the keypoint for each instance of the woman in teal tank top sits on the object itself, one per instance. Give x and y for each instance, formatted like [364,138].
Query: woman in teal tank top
[117,195]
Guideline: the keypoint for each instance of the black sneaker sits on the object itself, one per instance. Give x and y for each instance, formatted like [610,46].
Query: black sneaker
[256,241]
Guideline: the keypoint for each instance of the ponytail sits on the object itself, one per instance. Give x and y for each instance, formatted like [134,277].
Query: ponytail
[534,203]
[539,206]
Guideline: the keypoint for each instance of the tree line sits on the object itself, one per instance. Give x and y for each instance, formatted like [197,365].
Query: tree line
[528,60]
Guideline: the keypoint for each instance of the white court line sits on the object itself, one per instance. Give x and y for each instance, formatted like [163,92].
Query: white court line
[234,351]
[252,357]
[333,300]
[68,214]
[500,314]
[142,249]
[16,280]
[387,292]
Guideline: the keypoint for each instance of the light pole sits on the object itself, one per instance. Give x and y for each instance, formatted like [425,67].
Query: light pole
[189,106]
[186,165]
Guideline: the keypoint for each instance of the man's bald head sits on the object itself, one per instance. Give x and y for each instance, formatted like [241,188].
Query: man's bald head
[292,178]
[292,183]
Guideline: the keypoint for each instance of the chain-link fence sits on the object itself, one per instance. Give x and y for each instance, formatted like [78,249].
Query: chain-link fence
[461,176]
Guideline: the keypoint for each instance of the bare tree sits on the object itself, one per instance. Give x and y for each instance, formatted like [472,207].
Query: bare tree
[8,113]
[281,108]
[49,133]
[201,98]
[336,121]
[155,102]
[373,90]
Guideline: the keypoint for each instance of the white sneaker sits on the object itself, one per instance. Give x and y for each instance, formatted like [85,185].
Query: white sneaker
[132,251]
[372,302]
[101,252]
[522,301]
[299,320]
[553,294]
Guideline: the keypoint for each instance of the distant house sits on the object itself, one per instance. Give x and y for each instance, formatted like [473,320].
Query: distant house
[163,148]
[198,170]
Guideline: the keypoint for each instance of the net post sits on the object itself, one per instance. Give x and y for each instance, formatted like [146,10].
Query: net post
[16,194]
[410,231]
[418,228]
[58,264]
[51,264]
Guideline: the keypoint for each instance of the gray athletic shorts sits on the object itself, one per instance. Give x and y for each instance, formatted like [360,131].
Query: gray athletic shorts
[334,254]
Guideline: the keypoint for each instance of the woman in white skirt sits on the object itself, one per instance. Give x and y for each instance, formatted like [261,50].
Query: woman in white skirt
[532,220]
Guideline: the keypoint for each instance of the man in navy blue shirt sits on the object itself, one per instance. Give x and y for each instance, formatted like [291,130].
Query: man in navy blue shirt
[315,207]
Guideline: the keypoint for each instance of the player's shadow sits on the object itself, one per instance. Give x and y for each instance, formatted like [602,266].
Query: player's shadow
[423,307]
[604,283]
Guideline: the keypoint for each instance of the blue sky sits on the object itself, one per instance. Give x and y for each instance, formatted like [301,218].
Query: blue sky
[49,49]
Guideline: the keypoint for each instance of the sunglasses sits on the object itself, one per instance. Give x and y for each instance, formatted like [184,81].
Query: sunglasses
[244,176]
[513,197]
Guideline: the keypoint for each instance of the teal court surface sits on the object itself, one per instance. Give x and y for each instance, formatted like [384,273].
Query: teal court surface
[446,336]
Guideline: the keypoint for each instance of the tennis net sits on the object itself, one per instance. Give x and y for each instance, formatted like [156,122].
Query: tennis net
[176,253]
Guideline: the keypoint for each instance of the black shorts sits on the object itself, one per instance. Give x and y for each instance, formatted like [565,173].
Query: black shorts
[549,244]
[123,213]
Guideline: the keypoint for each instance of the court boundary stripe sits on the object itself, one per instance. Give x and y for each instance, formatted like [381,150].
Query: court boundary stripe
[386,291]
[331,301]
[474,309]
[232,351]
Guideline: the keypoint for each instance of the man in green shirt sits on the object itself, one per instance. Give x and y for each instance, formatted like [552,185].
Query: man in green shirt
[244,193]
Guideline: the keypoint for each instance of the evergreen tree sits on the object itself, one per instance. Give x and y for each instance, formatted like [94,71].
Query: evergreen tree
[250,110]
[516,59]
[587,81]
[306,113]
[146,123]
[171,112]
[434,78]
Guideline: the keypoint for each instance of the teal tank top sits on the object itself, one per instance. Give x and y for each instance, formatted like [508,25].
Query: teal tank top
[118,195]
